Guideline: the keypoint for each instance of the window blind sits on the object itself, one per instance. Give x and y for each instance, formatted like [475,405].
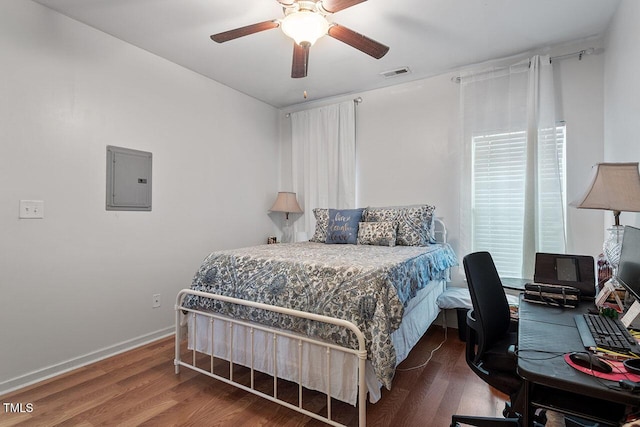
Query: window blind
[498,182]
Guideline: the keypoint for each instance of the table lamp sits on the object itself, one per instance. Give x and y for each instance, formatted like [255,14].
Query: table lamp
[286,202]
[613,187]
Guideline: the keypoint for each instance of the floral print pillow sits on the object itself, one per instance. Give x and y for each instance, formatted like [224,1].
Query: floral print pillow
[381,233]
[415,223]
[322,223]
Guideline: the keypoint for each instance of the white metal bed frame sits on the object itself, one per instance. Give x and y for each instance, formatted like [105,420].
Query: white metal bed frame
[360,353]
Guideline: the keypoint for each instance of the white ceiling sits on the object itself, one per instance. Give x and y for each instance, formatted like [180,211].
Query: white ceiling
[428,36]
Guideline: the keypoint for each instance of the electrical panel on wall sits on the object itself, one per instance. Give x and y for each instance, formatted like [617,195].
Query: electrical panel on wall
[128,179]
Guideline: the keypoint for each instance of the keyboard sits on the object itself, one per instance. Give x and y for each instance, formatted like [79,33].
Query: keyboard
[606,333]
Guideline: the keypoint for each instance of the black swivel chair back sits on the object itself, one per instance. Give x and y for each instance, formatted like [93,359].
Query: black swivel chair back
[490,306]
[489,337]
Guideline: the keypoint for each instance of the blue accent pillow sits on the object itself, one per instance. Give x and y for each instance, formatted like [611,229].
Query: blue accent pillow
[343,226]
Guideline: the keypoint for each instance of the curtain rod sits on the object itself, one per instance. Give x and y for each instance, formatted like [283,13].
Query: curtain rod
[356,101]
[579,54]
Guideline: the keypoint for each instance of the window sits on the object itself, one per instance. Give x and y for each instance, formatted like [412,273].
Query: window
[497,192]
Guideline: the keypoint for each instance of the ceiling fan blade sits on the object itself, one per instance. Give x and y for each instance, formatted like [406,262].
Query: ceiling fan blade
[333,6]
[225,36]
[357,40]
[300,60]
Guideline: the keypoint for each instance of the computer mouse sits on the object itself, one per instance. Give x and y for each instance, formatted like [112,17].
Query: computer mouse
[591,361]
[632,365]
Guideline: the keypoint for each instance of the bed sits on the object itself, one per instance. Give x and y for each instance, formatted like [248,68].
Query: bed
[337,318]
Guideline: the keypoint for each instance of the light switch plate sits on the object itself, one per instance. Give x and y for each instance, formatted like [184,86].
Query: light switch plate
[31,209]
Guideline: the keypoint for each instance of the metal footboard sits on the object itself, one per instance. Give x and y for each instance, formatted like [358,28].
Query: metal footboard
[361,352]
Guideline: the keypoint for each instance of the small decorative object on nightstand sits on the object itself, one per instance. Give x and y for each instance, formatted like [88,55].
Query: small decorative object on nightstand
[286,202]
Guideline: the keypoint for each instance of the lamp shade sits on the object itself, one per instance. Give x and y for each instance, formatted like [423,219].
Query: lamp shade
[614,187]
[286,202]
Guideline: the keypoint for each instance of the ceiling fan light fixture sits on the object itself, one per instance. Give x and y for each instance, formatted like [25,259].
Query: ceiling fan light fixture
[304,26]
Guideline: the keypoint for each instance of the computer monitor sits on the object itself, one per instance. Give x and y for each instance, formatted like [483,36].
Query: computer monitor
[629,270]
[629,265]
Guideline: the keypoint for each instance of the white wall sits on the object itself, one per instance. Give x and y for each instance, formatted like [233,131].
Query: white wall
[622,92]
[582,106]
[409,149]
[78,284]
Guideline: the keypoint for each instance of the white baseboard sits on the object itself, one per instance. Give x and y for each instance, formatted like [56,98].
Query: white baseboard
[78,362]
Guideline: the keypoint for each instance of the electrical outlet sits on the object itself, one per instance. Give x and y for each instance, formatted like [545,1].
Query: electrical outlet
[31,209]
[155,301]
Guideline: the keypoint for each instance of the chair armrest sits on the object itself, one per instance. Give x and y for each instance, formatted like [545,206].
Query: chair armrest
[513,325]
[472,338]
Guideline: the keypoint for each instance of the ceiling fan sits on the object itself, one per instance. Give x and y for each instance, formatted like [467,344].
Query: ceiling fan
[305,22]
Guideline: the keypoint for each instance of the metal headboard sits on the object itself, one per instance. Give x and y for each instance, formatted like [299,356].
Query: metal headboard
[440,230]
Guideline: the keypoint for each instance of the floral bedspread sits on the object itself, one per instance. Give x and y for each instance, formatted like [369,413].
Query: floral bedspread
[367,285]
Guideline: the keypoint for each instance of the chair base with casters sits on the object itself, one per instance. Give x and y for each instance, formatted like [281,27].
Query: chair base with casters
[504,382]
[513,420]
[484,421]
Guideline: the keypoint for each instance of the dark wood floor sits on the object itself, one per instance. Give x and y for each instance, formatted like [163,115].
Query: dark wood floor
[139,387]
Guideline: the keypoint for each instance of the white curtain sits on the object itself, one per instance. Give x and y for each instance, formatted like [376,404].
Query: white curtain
[513,191]
[324,160]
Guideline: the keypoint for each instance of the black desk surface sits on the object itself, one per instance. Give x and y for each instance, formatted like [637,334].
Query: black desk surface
[545,333]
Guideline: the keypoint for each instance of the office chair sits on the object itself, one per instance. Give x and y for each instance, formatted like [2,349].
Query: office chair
[491,338]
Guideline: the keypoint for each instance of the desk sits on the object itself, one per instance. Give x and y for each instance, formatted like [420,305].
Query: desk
[552,383]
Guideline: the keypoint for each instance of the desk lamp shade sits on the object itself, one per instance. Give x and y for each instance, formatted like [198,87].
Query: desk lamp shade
[613,187]
[286,202]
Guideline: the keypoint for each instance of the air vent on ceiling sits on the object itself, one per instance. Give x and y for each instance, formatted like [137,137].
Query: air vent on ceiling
[396,72]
